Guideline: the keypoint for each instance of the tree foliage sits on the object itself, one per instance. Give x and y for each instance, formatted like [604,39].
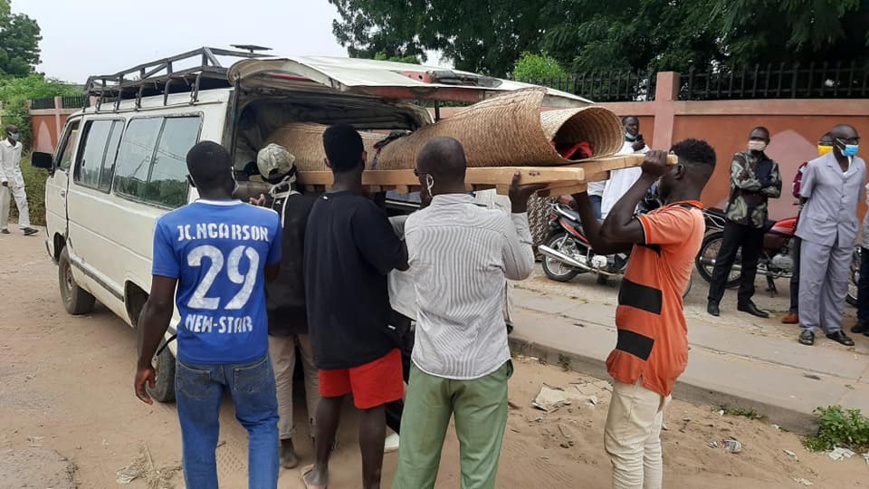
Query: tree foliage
[536,67]
[397,59]
[15,92]
[489,35]
[19,42]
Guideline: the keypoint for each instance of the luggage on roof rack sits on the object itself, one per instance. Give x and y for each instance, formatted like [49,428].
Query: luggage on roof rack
[166,76]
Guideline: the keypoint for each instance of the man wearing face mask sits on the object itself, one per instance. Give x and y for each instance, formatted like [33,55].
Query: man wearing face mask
[754,178]
[621,180]
[825,145]
[12,182]
[832,185]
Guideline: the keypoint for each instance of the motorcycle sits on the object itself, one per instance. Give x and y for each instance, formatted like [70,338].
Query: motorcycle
[568,253]
[775,259]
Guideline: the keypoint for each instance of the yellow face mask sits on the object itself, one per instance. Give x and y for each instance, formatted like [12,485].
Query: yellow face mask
[822,149]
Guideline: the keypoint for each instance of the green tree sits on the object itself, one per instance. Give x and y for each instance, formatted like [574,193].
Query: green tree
[488,36]
[16,92]
[19,42]
[536,68]
[485,36]
[381,56]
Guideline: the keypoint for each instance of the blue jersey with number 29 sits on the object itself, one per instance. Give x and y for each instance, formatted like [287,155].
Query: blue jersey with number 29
[217,251]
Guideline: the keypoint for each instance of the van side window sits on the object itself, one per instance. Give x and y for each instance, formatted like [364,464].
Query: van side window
[99,146]
[151,165]
[65,160]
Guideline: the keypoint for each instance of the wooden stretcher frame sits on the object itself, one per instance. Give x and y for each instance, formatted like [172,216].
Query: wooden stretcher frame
[558,179]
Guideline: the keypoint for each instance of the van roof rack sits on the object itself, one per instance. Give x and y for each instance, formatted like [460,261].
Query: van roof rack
[165,76]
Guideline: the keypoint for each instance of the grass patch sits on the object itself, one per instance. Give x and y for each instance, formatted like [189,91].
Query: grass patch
[741,412]
[838,427]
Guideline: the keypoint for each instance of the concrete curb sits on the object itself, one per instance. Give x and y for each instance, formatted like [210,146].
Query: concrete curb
[790,419]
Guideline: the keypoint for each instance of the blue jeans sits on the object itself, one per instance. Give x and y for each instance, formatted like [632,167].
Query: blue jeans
[863,288]
[198,392]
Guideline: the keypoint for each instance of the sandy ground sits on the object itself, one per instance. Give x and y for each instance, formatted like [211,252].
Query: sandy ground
[68,416]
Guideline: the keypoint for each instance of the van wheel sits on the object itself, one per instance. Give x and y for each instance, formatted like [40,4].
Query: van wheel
[75,299]
[164,385]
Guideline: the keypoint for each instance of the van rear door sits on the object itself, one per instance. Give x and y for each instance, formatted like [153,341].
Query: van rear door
[381,79]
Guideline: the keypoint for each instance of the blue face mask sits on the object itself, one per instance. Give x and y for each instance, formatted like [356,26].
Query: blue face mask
[630,137]
[851,149]
[14,136]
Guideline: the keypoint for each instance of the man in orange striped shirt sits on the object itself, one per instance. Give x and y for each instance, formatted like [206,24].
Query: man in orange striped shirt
[652,347]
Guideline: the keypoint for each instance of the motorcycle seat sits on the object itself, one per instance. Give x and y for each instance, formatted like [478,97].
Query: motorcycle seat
[715,211]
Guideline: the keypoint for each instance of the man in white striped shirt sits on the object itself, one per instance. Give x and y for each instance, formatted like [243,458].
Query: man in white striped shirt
[460,255]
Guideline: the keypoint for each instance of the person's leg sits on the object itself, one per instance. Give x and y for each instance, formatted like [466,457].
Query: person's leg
[629,426]
[395,409]
[653,461]
[480,407]
[312,380]
[752,245]
[795,278]
[374,385]
[256,407]
[372,434]
[835,289]
[198,392]
[730,242]
[334,386]
[863,291]
[429,407]
[282,350]
[393,412]
[21,202]
[595,204]
[813,270]
[4,207]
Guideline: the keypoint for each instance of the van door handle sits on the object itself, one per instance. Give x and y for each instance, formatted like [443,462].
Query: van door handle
[63,193]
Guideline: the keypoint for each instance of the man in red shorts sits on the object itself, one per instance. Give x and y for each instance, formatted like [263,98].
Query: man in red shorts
[350,248]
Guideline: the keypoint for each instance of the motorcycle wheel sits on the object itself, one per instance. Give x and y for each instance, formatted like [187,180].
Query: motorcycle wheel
[705,260]
[688,287]
[851,298]
[553,268]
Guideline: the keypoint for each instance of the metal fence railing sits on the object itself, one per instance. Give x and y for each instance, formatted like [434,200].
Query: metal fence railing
[607,86]
[69,102]
[781,81]
[42,103]
[75,101]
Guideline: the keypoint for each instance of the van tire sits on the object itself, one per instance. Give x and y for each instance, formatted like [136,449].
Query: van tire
[76,300]
[164,386]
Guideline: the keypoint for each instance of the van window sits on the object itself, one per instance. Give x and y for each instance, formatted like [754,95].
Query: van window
[68,145]
[96,162]
[151,163]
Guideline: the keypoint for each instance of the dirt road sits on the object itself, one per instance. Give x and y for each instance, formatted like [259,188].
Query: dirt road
[68,416]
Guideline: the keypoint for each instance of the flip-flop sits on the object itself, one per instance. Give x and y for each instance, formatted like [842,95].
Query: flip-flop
[305,471]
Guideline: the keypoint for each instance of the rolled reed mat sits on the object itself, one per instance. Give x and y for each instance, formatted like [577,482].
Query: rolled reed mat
[305,141]
[510,130]
[507,130]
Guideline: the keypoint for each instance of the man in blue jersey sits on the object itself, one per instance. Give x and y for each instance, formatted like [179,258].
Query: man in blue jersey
[218,253]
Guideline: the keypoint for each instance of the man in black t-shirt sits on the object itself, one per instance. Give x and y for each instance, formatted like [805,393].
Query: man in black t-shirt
[350,247]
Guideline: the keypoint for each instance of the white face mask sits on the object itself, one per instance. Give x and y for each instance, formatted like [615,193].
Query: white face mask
[756,145]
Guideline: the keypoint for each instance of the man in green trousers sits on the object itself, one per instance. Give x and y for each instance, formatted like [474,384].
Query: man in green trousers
[460,255]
